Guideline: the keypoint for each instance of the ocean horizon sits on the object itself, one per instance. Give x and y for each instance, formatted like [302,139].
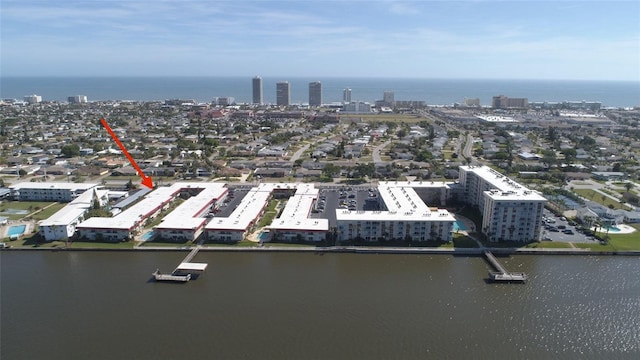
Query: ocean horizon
[431,90]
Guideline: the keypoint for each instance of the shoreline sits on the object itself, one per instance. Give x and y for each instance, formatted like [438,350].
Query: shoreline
[355,250]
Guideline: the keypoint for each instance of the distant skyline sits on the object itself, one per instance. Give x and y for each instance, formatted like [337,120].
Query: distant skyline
[585,40]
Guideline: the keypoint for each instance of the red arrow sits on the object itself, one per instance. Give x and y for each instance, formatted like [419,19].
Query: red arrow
[146,180]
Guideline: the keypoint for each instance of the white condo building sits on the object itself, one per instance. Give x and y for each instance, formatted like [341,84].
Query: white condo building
[510,211]
[77,99]
[48,191]
[406,217]
[32,99]
[186,223]
[292,224]
[62,224]
[357,107]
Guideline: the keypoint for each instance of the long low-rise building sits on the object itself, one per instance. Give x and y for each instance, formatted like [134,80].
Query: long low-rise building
[405,217]
[62,224]
[130,222]
[187,221]
[236,226]
[294,223]
[49,191]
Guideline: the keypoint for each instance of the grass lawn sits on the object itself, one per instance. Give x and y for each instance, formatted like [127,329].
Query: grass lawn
[273,203]
[166,244]
[267,218]
[30,206]
[243,243]
[460,241]
[270,244]
[617,242]
[46,213]
[548,245]
[99,245]
[36,241]
[597,197]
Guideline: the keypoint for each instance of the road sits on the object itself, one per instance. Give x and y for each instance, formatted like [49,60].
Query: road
[466,152]
[377,160]
[299,153]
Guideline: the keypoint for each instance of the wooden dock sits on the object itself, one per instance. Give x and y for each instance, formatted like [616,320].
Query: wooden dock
[170,277]
[183,272]
[502,275]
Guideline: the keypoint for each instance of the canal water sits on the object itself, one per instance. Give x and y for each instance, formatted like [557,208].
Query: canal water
[101,305]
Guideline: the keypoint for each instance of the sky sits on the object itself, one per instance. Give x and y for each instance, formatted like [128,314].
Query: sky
[584,40]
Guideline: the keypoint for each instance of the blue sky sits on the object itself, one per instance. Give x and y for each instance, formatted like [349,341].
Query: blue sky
[589,40]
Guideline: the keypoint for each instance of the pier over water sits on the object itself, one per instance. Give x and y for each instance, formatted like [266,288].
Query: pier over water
[185,270]
[501,274]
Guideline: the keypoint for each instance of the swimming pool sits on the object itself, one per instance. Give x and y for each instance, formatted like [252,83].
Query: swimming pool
[16,230]
[263,236]
[613,229]
[459,225]
[147,236]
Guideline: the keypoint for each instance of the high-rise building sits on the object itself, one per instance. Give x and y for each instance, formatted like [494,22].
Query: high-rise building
[315,93]
[257,90]
[283,93]
[33,99]
[388,98]
[357,107]
[77,99]
[346,95]
[503,102]
[509,210]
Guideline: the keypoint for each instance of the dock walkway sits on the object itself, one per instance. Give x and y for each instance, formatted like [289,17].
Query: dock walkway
[183,271]
[502,275]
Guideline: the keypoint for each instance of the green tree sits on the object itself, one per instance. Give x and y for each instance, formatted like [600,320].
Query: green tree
[569,154]
[627,186]
[330,170]
[70,150]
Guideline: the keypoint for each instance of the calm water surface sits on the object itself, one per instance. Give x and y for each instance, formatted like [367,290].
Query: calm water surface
[101,305]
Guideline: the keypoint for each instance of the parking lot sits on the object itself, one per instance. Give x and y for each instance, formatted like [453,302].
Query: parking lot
[348,198]
[557,228]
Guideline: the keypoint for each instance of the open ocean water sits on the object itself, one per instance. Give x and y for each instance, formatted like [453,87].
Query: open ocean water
[432,91]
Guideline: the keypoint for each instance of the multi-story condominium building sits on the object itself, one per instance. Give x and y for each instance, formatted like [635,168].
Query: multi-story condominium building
[315,93]
[357,107]
[77,99]
[257,90]
[475,102]
[224,101]
[346,95]
[32,99]
[510,211]
[388,98]
[48,191]
[186,222]
[283,93]
[62,224]
[503,102]
[293,224]
[404,216]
